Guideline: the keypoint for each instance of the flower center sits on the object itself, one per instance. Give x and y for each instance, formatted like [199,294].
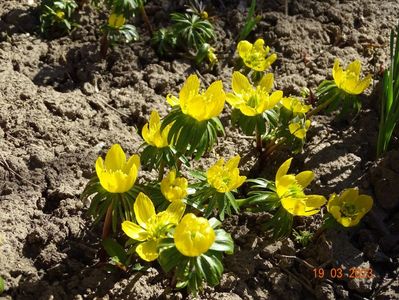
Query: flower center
[349,210]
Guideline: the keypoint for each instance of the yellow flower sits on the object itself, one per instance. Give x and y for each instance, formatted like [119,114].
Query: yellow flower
[60,14]
[194,235]
[152,134]
[116,21]
[117,175]
[298,129]
[225,177]
[254,55]
[200,106]
[295,105]
[348,208]
[253,101]
[349,80]
[174,188]
[289,188]
[151,227]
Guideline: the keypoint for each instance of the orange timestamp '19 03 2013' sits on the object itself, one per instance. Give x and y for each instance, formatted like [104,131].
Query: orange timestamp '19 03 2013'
[342,273]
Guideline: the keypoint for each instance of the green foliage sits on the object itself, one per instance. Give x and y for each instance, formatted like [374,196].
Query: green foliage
[208,200]
[189,136]
[164,40]
[389,115]
[331,98]
[116,252]
[2,285]
[189,32]
[125,34]
[58,14]
[250,22]
[303,237]
[100,199]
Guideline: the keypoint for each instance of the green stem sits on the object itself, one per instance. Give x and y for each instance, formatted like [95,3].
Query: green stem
[146,19]
[320,107]
[242,202]
[258,137]
[107,222]
[104,45]
[273,146]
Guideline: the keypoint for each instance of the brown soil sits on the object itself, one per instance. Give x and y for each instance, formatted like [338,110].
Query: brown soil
[61,106]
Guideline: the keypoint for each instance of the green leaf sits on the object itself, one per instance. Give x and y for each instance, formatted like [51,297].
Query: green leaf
[223,242]
[2,285]
[212,268]
[170,258]
[115,250]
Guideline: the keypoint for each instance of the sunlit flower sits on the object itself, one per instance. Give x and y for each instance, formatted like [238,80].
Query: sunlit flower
[116,21]
[200,106]
[348,208]
[255,55]
[295,105]
[194,235]
[349,80]
[299,129]
[152,134]
[117,175]
[151,227]
[253,101]
[174,188]
[225,177]
[290,190]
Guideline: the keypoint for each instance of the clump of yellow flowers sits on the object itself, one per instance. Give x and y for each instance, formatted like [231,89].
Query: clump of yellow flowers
[172,220]
[286,198]
[342,92]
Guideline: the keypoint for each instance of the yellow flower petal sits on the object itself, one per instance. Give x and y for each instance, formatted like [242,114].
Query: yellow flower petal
[172,100]
[267,82]
[148,250]
[115,158]
[134,231]
[240,83]
[244,47]
[175,211]
[234,100]
[190,89]
[143,209]
[287,185]
[304,178]
[283,168]
[247,110]
[303,206]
